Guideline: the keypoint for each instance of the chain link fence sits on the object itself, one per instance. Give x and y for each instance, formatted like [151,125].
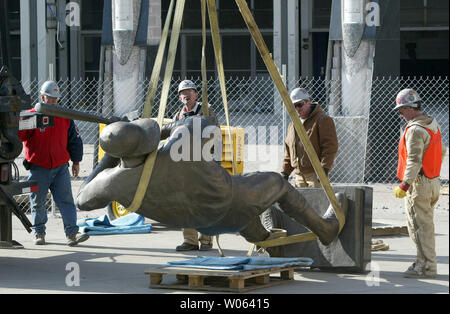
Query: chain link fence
[368,136]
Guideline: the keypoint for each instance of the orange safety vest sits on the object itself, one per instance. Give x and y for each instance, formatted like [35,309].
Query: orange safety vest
[432,159]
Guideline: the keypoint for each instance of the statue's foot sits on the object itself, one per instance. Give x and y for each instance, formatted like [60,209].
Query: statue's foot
[330,228]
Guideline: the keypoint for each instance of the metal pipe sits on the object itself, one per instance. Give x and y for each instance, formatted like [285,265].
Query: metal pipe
[71,114]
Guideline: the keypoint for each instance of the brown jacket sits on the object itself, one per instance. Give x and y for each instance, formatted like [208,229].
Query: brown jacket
[322,134]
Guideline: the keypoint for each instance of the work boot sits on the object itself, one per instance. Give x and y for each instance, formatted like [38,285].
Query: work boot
[416,271]
[379,245]
[40,239]
[76,238]
[187,247]
[205,246]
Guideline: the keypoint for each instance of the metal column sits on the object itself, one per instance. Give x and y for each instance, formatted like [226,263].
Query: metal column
[305,40]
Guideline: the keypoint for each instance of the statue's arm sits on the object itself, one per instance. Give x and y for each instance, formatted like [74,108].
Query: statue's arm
[166,129]
[107,161]
[93,193]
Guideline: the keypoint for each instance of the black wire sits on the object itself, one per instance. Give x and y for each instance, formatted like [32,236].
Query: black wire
[16,175]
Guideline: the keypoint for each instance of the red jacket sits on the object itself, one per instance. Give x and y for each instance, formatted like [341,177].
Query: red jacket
[52,147]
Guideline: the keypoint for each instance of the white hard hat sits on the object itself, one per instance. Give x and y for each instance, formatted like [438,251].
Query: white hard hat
[186,84]
[407,98]
[51,89]
[299,94]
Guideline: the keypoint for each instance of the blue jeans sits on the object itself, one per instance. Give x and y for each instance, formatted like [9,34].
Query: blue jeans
[58,181]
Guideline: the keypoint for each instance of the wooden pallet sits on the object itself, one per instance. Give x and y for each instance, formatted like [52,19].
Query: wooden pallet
[389,231]
[217,280]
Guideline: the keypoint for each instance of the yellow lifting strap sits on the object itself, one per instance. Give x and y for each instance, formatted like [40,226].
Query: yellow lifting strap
[218,54]
[214,24]
[154,79]
[151,158]
[205,109]
[303,237]
[171,54]
[274,73]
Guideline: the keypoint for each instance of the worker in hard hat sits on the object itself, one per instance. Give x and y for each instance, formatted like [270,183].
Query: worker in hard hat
[322,134]
[420,156]
[188,96]
[197,194]
[47,155]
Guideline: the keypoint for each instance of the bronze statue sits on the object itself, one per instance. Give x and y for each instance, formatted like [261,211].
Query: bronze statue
[194,193]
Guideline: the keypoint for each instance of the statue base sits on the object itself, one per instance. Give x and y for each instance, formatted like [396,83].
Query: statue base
[351,251]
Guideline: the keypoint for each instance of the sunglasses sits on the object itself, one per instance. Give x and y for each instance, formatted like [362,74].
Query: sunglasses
[300,104]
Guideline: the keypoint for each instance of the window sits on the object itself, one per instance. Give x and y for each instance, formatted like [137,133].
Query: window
[92,15]
[14,15]
[423,13]
[229,15]
[437,13]
[321,13]
[260,65]
[263,13]
[240,57]
[91,28]
[164,8]
[411,13]
[236,55]
[424,53]
[91,57]
[177,64]
[13,44]
[192,15]
[194,56]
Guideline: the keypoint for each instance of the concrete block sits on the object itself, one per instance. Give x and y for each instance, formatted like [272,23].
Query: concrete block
[351,252]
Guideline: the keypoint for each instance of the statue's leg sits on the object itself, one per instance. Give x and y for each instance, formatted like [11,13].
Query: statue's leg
[255,192]
[295,205]
[255,231]
[260,190]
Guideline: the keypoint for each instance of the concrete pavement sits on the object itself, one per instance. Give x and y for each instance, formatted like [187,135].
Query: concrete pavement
[116,263]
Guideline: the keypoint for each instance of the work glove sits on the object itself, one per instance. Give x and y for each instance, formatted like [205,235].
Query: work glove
[400,191]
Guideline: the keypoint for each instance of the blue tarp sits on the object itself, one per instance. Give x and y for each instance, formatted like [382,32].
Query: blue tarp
[242,263]
[131,223]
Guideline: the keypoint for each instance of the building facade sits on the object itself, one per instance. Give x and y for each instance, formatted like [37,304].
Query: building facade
[62,38]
